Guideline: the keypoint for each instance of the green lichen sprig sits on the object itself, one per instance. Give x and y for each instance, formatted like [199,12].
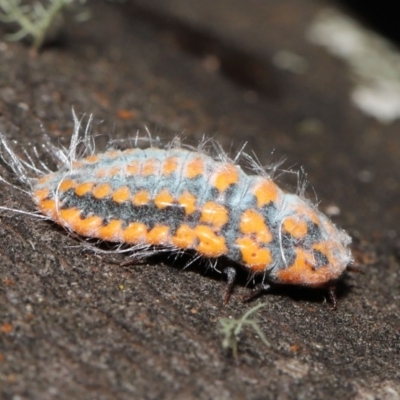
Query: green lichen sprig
[230,328]
[33,20]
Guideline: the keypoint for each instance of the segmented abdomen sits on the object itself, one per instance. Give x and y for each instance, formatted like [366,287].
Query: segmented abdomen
[187,200]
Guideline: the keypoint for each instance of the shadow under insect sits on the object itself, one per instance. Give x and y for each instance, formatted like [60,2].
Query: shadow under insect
[245,287]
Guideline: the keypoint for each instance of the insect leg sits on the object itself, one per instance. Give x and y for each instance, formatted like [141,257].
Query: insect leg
[332,296]
[230,273]
[257,291]
[354,268]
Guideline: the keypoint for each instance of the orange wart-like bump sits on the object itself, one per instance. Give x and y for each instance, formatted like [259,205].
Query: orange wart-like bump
[194,168]
[188,202]
[92,159]
[66,184]
[133,168]
[256,257]
[159,235]
[134,233]
[210,244]
[141,198]
[185,237]
[149,167]
[40,195]
[170,165]
[214,214]
[88,226]
[112,231]
[225,176]
[163,199]
[84,188]
[101,191]
[121,195]
[253,223]
[295,227]
[70,217]
[266,192]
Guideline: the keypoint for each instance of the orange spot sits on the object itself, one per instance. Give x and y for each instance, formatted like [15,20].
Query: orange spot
[114,171]
[101,191]
[302,272]
[77,164]
[112,154]
[226,176]
[135,233]
[88,226]
[121,195]
[141,198]
[184,237]
[130,151]
[6,328]
[306,211]
[70,217]
[84,188]
[210,245]
[149,167]
[92,159]
[48,207]
[66,184]
[163,199]
[313,216]
[188,202]
[40,194]
[214,214]
[253,223]
[170,165]
[101,173]
[133,168]
[254,256]
[265,192]
[159,235]
[111,232]
[45,179]
[295,226]
[194,168]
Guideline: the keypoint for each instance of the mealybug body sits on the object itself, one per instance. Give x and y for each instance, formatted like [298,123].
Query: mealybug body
[183,199]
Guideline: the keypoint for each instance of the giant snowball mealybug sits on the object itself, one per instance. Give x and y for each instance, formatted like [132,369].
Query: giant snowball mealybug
[182,199]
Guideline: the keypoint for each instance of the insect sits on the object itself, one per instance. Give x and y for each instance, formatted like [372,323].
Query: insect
[182,199]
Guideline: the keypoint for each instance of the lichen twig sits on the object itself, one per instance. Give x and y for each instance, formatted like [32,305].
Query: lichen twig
[33,21]
[231,328]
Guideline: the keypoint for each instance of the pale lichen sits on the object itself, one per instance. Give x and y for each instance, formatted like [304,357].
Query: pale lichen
[231,328]
[35,21]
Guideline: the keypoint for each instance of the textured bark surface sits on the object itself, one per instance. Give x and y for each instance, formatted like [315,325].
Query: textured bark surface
[75,325]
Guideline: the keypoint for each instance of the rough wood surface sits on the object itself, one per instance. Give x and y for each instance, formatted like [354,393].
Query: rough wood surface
[74,325]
